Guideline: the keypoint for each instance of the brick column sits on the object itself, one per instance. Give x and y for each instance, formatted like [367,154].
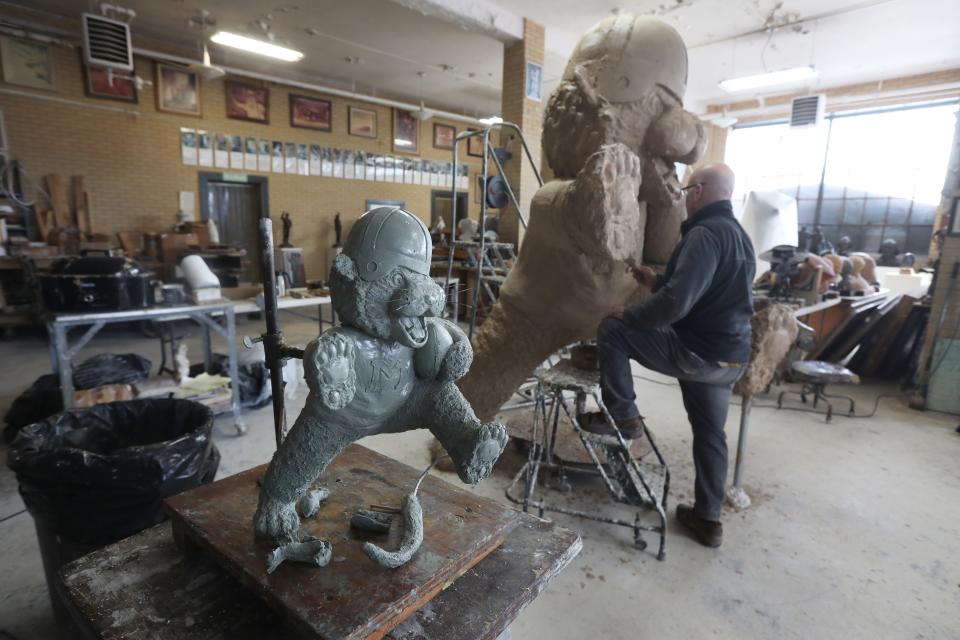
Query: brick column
[527,114]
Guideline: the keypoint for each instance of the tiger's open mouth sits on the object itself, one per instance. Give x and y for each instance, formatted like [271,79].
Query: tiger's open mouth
[411,330]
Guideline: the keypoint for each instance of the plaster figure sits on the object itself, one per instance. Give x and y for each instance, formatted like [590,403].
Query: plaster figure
[848,270]
[612,131]
[391,367]
[774,332]
[869,269]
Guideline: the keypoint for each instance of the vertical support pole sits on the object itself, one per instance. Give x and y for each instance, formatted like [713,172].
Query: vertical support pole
[64,365]
[273,338]
[207,350]
[745,405]
[233,368]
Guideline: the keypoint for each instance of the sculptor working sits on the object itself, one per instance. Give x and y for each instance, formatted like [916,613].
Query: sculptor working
[390,367]
[696,328]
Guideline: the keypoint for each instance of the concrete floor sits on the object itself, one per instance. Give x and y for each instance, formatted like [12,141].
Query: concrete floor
[854,531]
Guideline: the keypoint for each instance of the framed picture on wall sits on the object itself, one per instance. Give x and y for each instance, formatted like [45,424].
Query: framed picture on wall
[247,101]
[475,145]
[101,83]
[443,135]
[534,81]
[362,122]
[406,132]
[178,90]
[27,63]
[311,113]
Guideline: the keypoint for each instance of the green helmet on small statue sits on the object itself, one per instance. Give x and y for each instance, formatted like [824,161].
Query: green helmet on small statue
[388,237]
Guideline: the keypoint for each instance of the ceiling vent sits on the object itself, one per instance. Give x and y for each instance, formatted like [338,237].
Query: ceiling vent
[807,111]
[106,43]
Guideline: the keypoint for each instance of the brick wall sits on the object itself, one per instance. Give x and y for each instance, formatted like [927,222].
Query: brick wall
[515,107]
[132,168]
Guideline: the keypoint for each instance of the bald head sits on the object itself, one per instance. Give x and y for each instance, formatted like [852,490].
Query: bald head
[714,182]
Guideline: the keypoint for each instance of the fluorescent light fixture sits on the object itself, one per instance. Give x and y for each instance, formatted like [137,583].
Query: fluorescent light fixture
[250,45]
[491,120]
[402,143]
[768,79]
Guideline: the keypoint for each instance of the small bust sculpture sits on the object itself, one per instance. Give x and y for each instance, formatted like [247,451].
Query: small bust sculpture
[287,225]
[819,244]
[843,246]
[889,250]
[391,367]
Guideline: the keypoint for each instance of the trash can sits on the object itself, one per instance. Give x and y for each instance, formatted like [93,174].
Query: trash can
[93,476]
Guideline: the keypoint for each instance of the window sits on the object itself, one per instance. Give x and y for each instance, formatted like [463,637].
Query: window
[869,175]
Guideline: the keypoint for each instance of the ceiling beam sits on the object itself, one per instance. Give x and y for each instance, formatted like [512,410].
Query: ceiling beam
[472,15]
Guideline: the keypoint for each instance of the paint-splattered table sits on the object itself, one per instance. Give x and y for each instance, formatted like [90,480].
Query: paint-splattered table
[145,587]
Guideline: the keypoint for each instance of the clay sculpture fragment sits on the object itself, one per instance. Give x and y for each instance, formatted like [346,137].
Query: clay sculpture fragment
[391,367]
[612,132]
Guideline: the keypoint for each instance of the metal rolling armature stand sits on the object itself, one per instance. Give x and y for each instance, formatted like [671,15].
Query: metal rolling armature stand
[490,268]
[642,483]
[274,348]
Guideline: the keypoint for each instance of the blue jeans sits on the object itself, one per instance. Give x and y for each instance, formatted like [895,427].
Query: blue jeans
[706,388]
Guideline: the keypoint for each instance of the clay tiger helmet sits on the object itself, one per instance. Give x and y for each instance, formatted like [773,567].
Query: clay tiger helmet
[388,237]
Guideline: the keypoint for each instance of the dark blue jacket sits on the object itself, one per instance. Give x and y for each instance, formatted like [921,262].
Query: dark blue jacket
[706,292]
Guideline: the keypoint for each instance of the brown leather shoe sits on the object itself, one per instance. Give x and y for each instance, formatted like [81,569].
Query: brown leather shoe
[707,532]
[596,422]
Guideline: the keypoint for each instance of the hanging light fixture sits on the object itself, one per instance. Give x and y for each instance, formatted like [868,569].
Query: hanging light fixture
[251,45]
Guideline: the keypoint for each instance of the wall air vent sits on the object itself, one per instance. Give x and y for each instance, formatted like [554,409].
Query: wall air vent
[807,111]
[106,43]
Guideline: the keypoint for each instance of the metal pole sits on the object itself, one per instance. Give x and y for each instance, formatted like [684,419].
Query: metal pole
[483,215]
[273,338]
[745,406]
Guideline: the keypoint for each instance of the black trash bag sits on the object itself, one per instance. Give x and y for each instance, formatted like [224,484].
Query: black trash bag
[99,474]
[111,368]
[37,403]
[254,380]
[43,400]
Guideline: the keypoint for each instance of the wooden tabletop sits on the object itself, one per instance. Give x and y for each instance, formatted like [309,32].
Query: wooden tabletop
[144,587]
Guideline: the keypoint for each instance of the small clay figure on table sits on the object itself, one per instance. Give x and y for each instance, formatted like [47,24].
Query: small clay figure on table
[391,367]
[287,225]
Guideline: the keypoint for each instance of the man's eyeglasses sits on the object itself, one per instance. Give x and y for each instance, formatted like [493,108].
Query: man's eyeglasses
[691,186]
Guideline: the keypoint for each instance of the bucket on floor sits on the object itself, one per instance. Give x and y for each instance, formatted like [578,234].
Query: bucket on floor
[93,476]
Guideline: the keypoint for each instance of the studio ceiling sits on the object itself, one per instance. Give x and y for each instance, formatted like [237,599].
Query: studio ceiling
[448,53]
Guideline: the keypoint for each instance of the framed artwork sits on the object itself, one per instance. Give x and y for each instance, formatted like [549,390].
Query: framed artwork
[406,132]
[443,135]
[247,101]
[362,122]
[100,83]
[311,113]
[534,82]
[475,145]
[27,63]
[178,90]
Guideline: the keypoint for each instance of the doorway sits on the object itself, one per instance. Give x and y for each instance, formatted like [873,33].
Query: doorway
[441,206]
[236,206]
